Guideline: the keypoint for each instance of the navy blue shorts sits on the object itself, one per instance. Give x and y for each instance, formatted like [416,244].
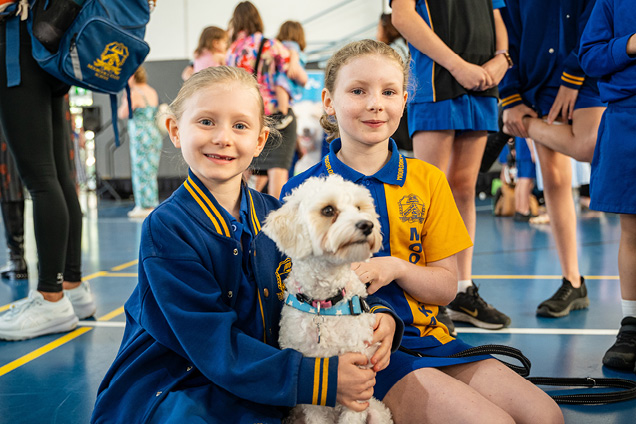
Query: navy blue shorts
[462,114]
[588,97]
[613,179]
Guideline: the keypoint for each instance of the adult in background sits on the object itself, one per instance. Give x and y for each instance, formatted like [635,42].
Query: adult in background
[32,117]
[546,95]
[145,143]
[460,53]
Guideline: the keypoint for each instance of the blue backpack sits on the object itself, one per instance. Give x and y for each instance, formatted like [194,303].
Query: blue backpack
[100,50]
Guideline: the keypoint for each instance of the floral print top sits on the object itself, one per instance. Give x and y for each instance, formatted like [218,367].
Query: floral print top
[274,61]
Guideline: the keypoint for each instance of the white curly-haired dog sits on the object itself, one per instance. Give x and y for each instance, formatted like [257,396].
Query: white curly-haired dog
[325,225]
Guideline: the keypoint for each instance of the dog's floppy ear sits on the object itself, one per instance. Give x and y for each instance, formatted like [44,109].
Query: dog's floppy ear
[284,228]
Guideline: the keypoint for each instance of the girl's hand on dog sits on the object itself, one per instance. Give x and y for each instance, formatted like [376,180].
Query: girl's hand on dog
[376,273]
[383,332]
[355,384]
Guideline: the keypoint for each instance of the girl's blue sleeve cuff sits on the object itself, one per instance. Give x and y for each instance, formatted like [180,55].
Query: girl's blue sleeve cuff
[619,52]
[318,381]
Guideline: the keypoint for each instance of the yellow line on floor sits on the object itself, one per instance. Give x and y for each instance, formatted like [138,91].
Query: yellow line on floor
[540,277]
[121,274]
[55,344]
[43,350]
[126,265]
[112,314]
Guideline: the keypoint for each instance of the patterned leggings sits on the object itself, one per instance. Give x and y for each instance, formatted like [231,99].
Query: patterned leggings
[145,152]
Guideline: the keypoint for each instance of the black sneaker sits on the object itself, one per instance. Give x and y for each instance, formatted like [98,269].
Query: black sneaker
[470,307]
[442,316]
[566,299]
[623,353]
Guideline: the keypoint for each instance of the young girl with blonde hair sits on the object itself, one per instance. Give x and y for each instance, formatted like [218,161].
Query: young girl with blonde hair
[416,270]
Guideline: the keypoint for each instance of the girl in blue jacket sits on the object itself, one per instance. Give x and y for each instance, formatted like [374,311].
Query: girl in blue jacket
[202,324]
[608,51]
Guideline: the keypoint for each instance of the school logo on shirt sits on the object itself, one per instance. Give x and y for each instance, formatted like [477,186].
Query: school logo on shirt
[281,273]
[411,208]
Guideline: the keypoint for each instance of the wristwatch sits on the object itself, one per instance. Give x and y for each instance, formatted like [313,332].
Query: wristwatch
[507,56]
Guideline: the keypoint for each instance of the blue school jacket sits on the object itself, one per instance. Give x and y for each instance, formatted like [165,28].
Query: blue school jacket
[603,50]
[183,357]
[543,38]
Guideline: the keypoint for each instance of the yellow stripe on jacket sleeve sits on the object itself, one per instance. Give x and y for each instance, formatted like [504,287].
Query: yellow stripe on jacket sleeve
[226,231]
[314,399]
[571,81]
[325,381]
[510,99]
[200,202]
[573,77]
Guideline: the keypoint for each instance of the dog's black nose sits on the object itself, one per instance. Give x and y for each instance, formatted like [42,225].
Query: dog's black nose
[365,226]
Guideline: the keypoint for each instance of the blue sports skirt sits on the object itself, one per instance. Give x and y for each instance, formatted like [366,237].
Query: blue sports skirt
[403,363]
[613,180]
[463,114]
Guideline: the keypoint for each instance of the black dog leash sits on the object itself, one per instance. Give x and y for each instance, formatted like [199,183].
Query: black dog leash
[628,386]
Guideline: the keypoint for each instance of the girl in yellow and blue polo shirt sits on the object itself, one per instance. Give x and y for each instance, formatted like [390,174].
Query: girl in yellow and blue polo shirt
[416,270]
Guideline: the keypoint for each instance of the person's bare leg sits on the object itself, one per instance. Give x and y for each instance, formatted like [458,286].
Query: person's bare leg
[556,170]
[463,170]
[522,400]
[434,147]
[577,140]
[627,257]
[277,179]
[523,189]
[430,396]
[283,99]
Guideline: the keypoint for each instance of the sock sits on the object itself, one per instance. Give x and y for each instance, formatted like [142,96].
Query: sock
[462,285]
[629,308]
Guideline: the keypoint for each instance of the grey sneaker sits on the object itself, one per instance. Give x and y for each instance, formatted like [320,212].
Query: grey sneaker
[35,316]
[566,299]
[82,300]
[622,354]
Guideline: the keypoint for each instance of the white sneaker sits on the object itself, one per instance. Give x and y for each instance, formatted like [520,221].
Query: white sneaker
[138,212]
[82,299]
[35,316]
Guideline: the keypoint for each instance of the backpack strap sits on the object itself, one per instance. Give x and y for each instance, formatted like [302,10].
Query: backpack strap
[12,53]
[113,110]
[258,57]
[604,397]
[13,14]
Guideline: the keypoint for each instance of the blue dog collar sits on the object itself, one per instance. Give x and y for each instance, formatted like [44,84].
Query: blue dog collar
[354,306]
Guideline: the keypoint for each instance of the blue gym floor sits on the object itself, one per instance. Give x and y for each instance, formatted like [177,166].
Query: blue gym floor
[54,379]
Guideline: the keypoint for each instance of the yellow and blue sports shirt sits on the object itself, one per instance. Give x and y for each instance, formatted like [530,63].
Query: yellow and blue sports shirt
[420,224]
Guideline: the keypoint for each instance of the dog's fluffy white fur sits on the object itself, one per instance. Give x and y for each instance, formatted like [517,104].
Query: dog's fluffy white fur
[324,226]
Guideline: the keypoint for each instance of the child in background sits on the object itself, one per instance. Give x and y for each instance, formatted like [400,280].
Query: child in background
[608,51]
[292,35]
[416,270]
[202,324]
[211,49]
[459,54]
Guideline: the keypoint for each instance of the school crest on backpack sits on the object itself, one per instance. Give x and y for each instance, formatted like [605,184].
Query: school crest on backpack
[111,61]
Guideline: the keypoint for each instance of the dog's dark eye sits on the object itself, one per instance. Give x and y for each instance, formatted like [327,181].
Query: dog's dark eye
[328,211]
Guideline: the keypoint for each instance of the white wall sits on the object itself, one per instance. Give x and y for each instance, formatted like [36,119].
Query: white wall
[175,25]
